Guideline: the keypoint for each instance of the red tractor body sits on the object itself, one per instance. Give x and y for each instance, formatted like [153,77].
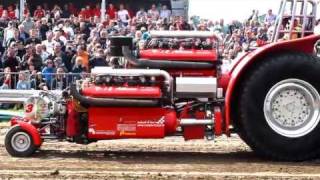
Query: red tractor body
[181,87]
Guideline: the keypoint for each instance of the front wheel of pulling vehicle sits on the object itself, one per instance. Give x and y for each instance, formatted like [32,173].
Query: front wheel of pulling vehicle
[279,107]
[19,143]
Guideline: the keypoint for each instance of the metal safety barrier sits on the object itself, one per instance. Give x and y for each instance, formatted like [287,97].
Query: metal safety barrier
[39,81]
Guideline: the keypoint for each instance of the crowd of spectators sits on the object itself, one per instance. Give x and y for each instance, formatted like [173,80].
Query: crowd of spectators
[67,40]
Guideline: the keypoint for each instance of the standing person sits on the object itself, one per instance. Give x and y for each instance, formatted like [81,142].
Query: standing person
[111,11]
[11,13]
[28,23]
[165,13]
[49,43]
[141,14]
[8,33]
[123,16]
[65,12]
[39,12]
[1,10]
[270,18]
[44,28]
[47,72]
[153,13]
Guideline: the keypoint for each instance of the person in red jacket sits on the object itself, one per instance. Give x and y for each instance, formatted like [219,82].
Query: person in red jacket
[88,12]
[11,13]
[111,11]
[39,12]
[97,10]
[82,13]
[1,10]
[26,10]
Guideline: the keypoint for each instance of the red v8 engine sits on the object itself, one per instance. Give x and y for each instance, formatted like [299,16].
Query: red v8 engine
[163,92]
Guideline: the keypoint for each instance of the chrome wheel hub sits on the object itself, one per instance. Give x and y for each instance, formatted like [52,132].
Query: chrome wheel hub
[291,108]
[20,141]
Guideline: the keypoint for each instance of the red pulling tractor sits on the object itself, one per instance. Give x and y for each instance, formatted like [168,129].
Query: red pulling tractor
[270,96]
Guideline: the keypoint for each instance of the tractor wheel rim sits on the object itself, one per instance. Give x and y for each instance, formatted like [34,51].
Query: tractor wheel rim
[20,141]
[291,108]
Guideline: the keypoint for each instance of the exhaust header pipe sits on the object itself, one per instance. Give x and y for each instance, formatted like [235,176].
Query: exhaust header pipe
[193,122]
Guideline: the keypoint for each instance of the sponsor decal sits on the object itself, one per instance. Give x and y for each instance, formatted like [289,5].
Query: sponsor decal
[126,133]
[150,123]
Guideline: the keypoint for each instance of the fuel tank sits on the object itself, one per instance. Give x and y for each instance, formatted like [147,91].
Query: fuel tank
[124,122]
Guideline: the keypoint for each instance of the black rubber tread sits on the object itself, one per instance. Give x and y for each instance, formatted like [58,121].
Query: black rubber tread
[253,127]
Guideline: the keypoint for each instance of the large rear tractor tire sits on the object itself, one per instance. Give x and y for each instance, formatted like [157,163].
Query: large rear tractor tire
[279,107]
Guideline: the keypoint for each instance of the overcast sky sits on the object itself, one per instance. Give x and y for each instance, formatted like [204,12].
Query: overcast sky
[230,9]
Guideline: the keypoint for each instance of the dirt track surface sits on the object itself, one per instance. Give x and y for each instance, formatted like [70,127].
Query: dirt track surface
[171,158]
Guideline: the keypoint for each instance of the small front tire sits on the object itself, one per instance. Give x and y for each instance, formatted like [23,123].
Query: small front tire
[19,143]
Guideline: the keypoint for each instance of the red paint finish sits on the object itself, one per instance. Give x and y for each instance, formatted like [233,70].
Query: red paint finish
[32,130]
[122,92]
[72,128]
[305,45]
[193,132]
[178,55]
[128,122]
[217,122]
[193,72]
